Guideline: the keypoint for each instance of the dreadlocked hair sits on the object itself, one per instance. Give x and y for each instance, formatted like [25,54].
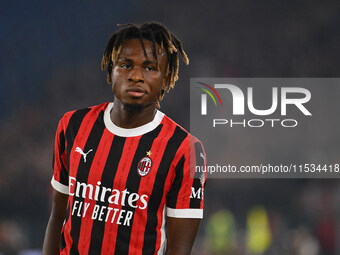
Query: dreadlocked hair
[154,32]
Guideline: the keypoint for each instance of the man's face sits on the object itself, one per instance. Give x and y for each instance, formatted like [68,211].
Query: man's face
[136,79]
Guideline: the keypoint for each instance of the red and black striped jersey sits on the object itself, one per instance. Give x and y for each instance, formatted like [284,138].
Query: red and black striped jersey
[123,183]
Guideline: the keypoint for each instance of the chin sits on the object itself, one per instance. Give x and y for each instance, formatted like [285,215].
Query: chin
[133,108]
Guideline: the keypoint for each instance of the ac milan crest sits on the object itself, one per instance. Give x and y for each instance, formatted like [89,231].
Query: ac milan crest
[144,166]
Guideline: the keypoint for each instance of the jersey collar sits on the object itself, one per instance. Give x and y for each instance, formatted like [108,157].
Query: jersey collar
[130,132]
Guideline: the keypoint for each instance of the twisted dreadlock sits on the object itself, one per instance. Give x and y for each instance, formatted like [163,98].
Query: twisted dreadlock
[154,32]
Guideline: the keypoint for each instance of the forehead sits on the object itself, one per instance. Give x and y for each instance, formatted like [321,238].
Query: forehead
[133,48]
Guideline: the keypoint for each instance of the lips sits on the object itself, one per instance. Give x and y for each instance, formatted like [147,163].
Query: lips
[136,92]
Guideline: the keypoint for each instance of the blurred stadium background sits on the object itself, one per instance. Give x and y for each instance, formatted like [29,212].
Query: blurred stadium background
[50,63]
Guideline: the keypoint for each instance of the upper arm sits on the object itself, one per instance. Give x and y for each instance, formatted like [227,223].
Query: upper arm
[59,205]
[181,233]
[55,223]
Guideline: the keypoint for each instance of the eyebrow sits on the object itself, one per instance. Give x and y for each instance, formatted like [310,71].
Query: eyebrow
[147,61]
[150,62]
[125,59]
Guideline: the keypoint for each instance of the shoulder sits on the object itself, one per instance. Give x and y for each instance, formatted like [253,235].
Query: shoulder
[167,121]
[180,132]
[75,117]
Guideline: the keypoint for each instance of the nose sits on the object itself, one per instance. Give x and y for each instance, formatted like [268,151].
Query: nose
[136,75]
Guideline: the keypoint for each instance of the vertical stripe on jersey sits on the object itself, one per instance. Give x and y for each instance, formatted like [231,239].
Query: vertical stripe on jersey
[107,179]
[146,186]
[183,200]
[155,200]
[95,176]
[132,184]
[174,191]
[197,185]
[199,159]
[83,170]
[62,150]
[72,130]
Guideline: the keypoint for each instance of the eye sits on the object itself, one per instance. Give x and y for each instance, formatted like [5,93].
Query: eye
[125,66]
[149,68]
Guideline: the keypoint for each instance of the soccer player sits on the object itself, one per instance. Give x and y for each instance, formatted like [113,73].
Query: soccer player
[122,170]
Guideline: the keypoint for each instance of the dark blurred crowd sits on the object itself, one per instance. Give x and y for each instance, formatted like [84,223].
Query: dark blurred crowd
[51,64]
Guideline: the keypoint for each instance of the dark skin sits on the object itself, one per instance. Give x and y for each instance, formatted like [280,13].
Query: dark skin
[136,80]
[55,223]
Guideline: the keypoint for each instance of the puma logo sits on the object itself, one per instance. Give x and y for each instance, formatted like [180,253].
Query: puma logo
[78,149]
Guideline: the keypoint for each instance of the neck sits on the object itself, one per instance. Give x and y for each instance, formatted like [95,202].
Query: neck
[131,117]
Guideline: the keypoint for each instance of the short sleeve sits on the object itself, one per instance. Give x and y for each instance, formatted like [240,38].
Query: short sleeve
[60,173]
[185,198]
